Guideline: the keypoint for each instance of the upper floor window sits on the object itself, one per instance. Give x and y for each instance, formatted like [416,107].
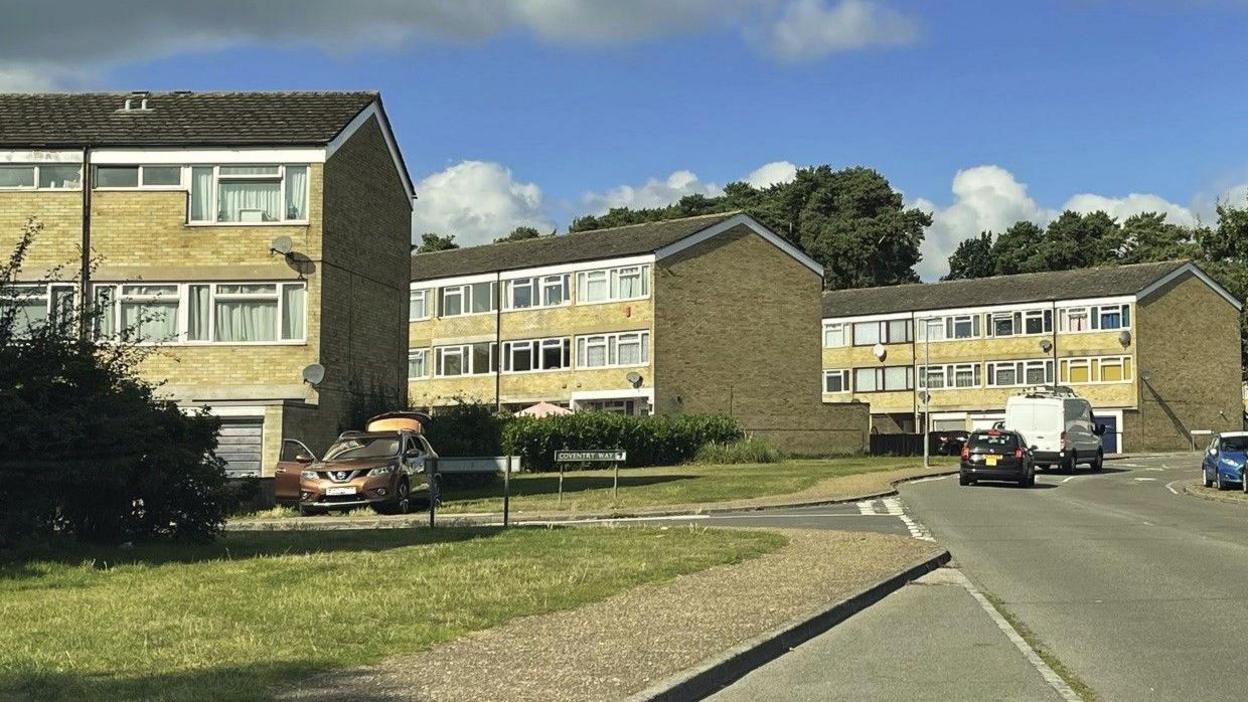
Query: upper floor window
[537,355]
[44,176]
[225,313]
[538,291]
[418,305]
[956,375]
[470,298]
[836,380]
[607,350]
[34,305]
[465,359]
[835,334]
[893,331]
[418,363]
[608,284]
[1019,323]
[1095,318]
[156,177]
[886,379]
[249,194]
[1101,369]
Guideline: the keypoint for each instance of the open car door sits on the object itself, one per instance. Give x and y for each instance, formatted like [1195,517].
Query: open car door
[295,457]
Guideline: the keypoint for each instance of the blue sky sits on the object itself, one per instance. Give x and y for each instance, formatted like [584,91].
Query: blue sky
[534,111]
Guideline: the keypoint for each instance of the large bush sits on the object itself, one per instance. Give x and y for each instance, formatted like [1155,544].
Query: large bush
[86,448]
[466,429]
[649,440]
[749,450]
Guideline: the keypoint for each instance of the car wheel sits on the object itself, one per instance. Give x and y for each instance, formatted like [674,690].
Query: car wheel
[1221,484]
[1099,463]
[1071,463]
[308,510]
[1204,478]
[964,480]
[403,502]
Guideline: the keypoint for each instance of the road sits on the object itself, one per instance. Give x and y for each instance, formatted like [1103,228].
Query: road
[1139,590]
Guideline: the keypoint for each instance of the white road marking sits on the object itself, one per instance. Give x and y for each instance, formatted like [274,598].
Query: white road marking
[897,509]
[1170,487]
[1067,480]
[932,479]
[1145,480]
[867,507]
[1052,678]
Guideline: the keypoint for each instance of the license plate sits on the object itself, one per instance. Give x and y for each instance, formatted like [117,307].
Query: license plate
[348,490]
[990,460]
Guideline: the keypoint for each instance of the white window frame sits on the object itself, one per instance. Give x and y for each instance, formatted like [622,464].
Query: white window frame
[424,355]
[423,295]
[139,184]
[118,298]
[188,185]
[610,277]
[464,290]
[537,286]
[1063,316]
[467,353]
[610,343]
[1098,312]
[46,291]
[35,177]
[845,330]
[537,348]
[880,378]
[949,376]
[843,374]
[1020,368]
[1098,378]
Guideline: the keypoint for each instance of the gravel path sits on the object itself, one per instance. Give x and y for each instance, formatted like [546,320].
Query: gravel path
[609,649]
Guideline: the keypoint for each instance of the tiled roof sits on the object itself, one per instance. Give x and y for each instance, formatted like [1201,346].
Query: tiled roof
[997,290]
[177,119]
[631,240]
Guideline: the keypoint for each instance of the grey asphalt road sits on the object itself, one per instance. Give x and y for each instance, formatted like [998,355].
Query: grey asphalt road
[930,640]
[1142,592]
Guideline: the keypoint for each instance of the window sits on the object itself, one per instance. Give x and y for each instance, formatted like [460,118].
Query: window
[1004,323]
[540,291]
[17,176]
[162,176]
[35,305]
[249,194]
[955,375]
[834,335]
[226,313]
[1015,373]
[418,305]
[537,354]
[963,327]
[605,285]
[60,177]
[836,381]
[608,350]
[465,359]
[931,377]
[165,177]
[46,176]
[886,379]
[1073,319]
[1102,369]
[966,375]
[893,331]
[866,333]
[1038,322]
[474,298]
[1109,317]
[418,363]
[930,329]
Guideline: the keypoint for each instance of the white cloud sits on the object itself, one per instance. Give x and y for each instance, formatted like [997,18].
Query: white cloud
[812,29]
[653,193]
[477,201]
[772,173]
[107,34]
[25,80]
[990,198]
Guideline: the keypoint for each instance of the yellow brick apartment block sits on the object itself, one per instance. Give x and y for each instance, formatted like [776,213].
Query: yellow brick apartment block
[953,352]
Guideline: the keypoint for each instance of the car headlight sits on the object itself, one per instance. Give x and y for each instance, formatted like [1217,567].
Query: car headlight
[1230,462]
[381,470]
[308,475]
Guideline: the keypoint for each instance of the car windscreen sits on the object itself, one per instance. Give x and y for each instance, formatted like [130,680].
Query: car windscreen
[993,441]
[1235,444]
[363,447]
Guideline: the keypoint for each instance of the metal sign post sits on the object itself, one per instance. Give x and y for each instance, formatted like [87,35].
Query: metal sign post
[507,492]
[594,456]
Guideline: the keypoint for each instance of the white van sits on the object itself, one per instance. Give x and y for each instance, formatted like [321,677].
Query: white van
[1059,427]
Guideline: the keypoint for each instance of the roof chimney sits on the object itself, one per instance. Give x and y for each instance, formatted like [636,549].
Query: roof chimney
[136,102]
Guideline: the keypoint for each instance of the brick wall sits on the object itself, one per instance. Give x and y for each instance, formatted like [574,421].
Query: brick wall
[1188,338]
[733,334]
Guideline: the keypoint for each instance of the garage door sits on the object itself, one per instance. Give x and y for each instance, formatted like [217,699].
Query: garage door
[240,444]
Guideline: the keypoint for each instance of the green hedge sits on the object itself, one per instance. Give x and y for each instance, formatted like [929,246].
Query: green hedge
[466,429]
[749,450]
[649,440]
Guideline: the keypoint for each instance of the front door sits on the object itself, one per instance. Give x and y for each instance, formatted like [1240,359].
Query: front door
[1109,441]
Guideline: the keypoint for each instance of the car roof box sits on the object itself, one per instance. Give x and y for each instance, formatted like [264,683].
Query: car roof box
[398,421]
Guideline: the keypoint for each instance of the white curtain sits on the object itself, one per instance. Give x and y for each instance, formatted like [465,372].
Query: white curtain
[246,320]
[296,192]
[249,200]
[201,195]
[151,321]
[197,314]
[293,303]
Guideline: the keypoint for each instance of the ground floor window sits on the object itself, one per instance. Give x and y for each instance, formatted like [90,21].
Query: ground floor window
[836,380]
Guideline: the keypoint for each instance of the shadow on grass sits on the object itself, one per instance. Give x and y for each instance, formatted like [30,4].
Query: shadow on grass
[258,681]
[548,484]
[231,546]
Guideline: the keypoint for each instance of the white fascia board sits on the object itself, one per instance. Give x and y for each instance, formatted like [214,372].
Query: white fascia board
[34,156]
[374,110]
[188,157]
[1194,270]
[983,309]
[537,271]
[736,220]
[233,410]
[867,318]
[620,394]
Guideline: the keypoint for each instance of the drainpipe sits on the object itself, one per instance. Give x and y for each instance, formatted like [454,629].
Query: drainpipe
[84,283]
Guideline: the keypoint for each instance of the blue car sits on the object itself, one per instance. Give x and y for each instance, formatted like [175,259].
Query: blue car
[1224,460]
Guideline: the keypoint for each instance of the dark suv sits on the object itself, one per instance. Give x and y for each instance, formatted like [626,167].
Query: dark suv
[997,454]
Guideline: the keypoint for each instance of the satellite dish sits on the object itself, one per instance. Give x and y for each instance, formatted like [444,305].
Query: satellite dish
[281,245]
[1124,338]
[1046,345]
[313,374]
[879,351]
[634,379]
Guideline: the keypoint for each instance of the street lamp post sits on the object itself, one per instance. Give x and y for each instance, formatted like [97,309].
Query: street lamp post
[926,395]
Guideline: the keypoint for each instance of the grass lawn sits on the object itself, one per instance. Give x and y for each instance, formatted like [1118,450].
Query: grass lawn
[590,490]
[232,620]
